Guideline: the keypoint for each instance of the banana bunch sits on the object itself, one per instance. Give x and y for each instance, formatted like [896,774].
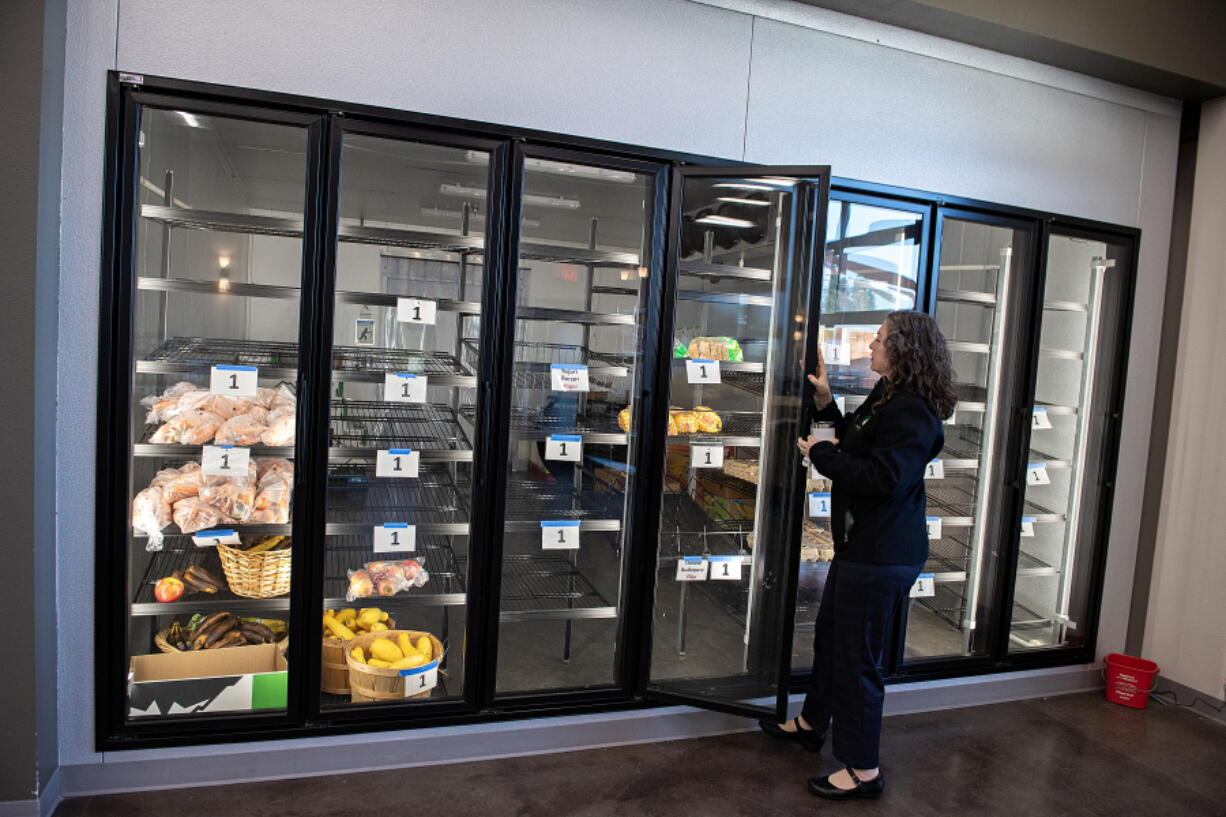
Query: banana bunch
[217,631]
[348,623]
[400,653]
[266,543]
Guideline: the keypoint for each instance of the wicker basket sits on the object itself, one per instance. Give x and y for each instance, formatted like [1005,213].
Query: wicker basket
[256,575]
[166,646]
[367,683]
[334,669]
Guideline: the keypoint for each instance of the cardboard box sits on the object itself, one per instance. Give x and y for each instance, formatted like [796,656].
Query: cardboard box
[233,679]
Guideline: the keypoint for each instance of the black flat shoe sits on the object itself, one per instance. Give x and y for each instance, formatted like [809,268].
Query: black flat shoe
[805,737]
[864,790]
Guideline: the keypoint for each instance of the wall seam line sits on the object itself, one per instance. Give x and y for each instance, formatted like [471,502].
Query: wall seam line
[753,27]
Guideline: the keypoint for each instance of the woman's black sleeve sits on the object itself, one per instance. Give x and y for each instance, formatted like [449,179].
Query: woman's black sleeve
[901,450]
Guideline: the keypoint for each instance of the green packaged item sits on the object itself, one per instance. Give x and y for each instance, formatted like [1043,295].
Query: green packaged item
[679,349]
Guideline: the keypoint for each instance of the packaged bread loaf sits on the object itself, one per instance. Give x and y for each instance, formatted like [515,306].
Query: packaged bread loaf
[623,419]
[708,421]
[687,422]
[716,348]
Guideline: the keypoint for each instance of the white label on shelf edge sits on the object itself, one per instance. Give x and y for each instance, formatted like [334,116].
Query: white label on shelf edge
[397,462]
[562,534]
[1040,419]
[1036,474]
[404,387]
[395,537]
[706,456]
[699,371]
[568,377]
[836,353]
[565,447]
[234,381]
[725,568]
[416,310]
[364,332]
[692,569]
[953,419]
[924,586]
[841,403]
[819,505]
[933,524]
[1027,526]
[935,470]
[212,538]
[420,679]
[224,461]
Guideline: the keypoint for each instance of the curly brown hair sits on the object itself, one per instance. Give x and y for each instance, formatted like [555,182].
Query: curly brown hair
[919,361]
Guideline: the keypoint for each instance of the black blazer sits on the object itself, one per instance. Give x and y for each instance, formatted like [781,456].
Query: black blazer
[877,502]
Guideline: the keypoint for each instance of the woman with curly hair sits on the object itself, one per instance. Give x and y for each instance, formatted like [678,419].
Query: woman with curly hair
[878,507]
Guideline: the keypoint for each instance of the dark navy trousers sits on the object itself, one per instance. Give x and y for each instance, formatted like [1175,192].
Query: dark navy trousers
[846,691]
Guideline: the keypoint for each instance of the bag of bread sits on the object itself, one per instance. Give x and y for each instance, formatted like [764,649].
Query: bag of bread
[687,422]
[623,419]
[187,484]
[165,406]
[242,429]
[716,348]
[151,515]
[708,421]
[192,515]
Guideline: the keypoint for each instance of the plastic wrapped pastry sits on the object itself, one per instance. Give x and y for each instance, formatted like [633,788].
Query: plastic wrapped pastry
[192,515]
[623,419]
[165,406]
[151,515]
[708,421]
[687,422]
[187,484]
[281,430]
[720,348]
[242,429]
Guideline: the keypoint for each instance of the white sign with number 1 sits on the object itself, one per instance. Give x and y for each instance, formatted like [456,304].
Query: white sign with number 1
[564,447]
[699,371]
[560,535]
[404,387]
[725,568]
[224,461]
[706,456]
[420,679]
[395,537]
[819,504]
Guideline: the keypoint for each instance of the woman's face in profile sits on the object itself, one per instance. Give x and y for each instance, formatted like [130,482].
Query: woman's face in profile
[879,362]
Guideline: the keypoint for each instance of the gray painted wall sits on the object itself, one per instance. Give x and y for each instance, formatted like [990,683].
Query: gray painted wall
[792,84]
[21,65]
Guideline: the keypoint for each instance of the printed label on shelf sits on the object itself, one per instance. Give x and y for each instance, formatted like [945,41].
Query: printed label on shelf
[935,470]
[562,534]
[234,381]
[822,431]
[706,456]
[212,538]
[841,403]
[1040,419]
[420,679]
[725,568]
[565,447]
[692,569]
[224,461]
[934,526]
[568,376]
[924,586]
[836,352]
[397,462]
[1027,526]
[364,331]
[416,310]
[1036,474]
[404,387]
[819,505]
[700,371]
[395,537]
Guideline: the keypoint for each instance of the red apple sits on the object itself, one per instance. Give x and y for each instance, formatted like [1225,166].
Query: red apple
[168,589]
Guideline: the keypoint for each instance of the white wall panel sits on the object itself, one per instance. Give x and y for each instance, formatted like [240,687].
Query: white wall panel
[882,115]
[667,74]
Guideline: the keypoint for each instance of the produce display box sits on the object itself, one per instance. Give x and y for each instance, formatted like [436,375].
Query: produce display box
[235,679]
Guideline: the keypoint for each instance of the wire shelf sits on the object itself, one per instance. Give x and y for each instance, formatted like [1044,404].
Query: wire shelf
[181,554]
[535,500]
[378,425]
[951,496]
[546,583]
[420,501]
[205,352]
[538,422]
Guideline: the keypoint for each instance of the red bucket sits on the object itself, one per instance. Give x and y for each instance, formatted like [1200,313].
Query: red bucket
[1129,679]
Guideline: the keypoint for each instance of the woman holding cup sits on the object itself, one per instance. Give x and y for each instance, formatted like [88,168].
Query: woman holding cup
[876,461]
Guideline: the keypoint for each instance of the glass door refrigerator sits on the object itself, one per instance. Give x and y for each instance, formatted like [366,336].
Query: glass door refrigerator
[739,325]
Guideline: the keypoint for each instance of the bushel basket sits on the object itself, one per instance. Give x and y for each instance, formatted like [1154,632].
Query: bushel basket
[367,683]
[256,575]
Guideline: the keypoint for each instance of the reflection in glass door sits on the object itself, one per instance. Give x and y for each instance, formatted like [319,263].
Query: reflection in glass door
[402,424]
[1073,400]
[978,284]
[871,267]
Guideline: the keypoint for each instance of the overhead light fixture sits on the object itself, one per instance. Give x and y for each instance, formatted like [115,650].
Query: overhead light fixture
[563,168]
[724,221]
[559,202]
[223,273]
[189,119]
[766,183]
[749,202]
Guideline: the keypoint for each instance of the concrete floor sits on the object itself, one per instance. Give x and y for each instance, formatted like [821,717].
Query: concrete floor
[1071,755]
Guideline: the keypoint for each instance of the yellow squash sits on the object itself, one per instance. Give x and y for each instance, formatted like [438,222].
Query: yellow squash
[385,650]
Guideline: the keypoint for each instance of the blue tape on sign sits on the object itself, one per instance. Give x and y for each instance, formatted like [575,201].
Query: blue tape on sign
[574,366]
[932,518]
[406,375]
[564,523]
[724,558]
[566,438]
[1029,518]
[692,559]
[420,670]
[819,496]
[225,446]
[701,360]
[1034,466]
[237,368]
[396,524]
[926,575]
[213,534]
[401,451]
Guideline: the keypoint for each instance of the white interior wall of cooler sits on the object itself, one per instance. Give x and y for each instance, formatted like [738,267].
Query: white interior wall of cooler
[906,110]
